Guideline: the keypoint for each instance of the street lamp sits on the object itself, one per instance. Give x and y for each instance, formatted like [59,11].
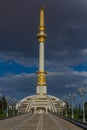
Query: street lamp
[13,104]
[82,92]
[65,100]
[72,95]
[7,99]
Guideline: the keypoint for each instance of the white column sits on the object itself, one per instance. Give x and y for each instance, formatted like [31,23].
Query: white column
[41,56]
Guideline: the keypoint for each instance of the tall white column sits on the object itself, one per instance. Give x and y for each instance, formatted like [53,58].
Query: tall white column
[41,74]
[41,56]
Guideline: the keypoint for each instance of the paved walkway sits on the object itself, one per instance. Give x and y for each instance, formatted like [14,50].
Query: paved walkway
[37,122]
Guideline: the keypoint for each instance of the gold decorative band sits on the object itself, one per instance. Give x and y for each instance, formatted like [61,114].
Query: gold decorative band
[39,84]
[41,78]
[41,28]
[41,36]
[41,72]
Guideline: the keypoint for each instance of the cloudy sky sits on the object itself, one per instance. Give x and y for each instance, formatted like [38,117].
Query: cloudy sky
[65,47]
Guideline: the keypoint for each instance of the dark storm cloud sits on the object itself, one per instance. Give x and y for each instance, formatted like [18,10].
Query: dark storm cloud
[67,29]
[65,22]
[17,85]
[59,84]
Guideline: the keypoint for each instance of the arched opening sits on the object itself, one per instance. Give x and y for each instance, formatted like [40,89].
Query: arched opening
[41,110]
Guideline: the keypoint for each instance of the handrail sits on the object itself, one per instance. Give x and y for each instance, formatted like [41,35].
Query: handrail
[76,122]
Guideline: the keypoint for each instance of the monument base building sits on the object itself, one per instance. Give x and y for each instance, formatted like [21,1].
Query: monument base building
[41,102]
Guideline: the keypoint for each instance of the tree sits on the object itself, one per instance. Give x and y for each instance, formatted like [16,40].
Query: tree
[85,104]
[4,104]
[0,105]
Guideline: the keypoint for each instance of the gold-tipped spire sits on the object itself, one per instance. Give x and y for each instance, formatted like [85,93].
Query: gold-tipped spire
[41,35]
[42,16]
[42,27]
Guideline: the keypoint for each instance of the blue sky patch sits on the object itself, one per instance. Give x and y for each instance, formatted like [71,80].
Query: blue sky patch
[13,67]
[80,67]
